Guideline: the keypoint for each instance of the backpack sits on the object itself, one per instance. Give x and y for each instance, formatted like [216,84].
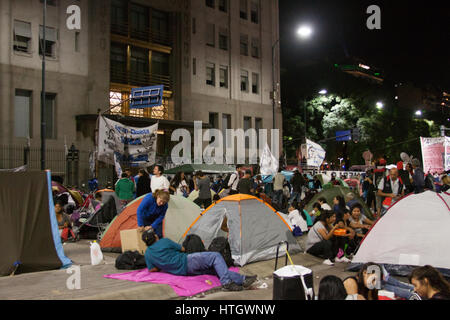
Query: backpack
[221,245]
[193,243]
[130,260]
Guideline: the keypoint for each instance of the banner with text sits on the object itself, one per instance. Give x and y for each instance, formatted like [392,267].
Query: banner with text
[435,154]
[130,146]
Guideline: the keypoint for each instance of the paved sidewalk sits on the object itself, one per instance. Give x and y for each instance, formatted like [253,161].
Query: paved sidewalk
[49,285]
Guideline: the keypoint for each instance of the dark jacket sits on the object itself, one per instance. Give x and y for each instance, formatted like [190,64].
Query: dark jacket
[418,180]
[297,182]
[143,186]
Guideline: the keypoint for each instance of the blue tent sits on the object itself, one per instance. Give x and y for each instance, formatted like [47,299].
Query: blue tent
[287,174]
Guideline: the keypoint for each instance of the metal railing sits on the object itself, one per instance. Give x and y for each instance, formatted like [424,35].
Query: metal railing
[13,156]
[148,34]
[140,79]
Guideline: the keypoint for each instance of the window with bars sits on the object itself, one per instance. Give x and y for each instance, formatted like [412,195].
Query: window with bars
[223,5]
[224,77]
[51,38]
[254,11]
[255,83]
[243,9]
[244,80]
[22,36]
[223,39]
[210,74]
[22,113]
[255,48]
[139,22]
[209,3]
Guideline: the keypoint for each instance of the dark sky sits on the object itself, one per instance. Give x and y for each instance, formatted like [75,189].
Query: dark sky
[413,43]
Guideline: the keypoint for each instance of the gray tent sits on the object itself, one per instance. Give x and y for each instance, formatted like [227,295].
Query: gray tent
[253,227]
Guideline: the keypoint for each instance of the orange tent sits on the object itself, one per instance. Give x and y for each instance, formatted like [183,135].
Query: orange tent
[180,214]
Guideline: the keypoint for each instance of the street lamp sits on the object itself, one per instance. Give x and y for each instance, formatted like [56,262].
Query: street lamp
[323,92]
[380,105]
[418,113]
[303,32]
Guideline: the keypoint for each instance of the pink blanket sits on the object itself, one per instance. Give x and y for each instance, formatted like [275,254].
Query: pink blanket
[184,286]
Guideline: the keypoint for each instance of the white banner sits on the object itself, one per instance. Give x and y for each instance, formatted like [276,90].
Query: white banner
[132,146]
[434,154]
[268,163]
[447,153]
[315,154]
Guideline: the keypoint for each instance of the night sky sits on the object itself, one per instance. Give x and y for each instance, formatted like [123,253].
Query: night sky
[412,45]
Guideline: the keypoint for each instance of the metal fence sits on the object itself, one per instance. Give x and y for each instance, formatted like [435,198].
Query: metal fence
[13,156]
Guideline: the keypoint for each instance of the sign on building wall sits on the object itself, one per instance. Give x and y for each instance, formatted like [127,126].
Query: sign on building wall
[130,146]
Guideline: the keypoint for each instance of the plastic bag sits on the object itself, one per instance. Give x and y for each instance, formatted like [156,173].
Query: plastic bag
[96,253]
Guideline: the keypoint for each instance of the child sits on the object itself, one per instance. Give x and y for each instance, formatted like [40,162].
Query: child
[296,220]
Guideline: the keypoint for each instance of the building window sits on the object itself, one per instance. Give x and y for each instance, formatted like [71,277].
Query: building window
[214,120]
[160,27]
[160,64]
[243,10]
[119,17]
[210,35]
[22,36]
[22,114]
[255,83]
[194,66]
[223,5]
[258,126]
[223,76]
[254,14]
[194,26]
[77,41]
[118,63]
[139,22]
[244,80]
[115,99]
[50,115]
[210,74]
[139,66]
[255,47]
[50,41]
[247,125]
[244,45]
[210,3]
[226,123]
[223,39]
[50,2]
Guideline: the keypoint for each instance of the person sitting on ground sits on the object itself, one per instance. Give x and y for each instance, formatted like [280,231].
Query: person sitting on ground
[350,198]
[364,283]
[315,211]
[320,242]
[359,222]
[324,204]
[64,223]
[168,256]
[429,283]
[152,210]
[347,242]
[339,206]
[296,219]
[125,189]
[332,288]
[246,184]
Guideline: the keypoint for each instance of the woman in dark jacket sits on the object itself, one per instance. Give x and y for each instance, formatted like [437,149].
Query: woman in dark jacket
[143,184]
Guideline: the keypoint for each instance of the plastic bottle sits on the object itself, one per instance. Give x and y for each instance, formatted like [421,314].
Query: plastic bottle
[96,253]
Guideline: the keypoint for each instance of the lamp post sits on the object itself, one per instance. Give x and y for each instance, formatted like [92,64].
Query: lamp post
[43,125]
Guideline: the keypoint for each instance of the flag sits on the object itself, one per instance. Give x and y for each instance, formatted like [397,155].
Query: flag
[268,163]
[315,154]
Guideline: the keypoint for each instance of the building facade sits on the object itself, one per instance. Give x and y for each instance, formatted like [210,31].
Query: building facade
[214,58]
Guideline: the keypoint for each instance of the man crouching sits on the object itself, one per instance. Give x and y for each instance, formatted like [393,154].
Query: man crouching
[168,256]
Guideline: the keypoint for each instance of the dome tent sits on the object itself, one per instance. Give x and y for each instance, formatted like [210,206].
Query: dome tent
[181,212]
[255,228]
[413,232]
[333,191]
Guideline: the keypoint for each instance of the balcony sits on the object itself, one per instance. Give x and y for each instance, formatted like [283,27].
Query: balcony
[140,79]
[147,35]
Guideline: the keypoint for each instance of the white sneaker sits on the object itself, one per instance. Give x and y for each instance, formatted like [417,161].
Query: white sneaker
[343,259]
[328,262]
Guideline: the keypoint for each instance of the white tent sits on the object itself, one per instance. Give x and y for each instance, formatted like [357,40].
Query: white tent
[413,232]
